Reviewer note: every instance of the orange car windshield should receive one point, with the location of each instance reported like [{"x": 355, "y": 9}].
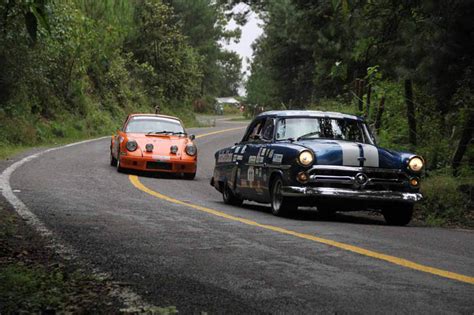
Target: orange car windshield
[{"x": 154, "y": 125}]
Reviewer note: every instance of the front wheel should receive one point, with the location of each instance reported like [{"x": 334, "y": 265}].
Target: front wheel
[
  {"x": 117, "y": 165},
  {"x": 189, "y": 176},
  {"x": 281, "y": 205},
  {"x": 398, "y": 214},
  {"x": 230, "y": 198},
  {"x": 113, "y": 161}
]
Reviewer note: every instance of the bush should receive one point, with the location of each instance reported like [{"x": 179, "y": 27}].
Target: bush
[{"x": 445, "y": 200}]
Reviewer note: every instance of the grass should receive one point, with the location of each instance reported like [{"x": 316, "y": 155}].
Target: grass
[{"x": 446, "y": 200}]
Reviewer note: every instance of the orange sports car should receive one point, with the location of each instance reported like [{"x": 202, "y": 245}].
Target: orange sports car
[{"x": 149, "y": 142}]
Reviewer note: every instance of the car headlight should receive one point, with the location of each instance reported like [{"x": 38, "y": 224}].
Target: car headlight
[
  {"x": 131, "y": 145},
  {"x": 191, "y": 149},
  {"x": 415, "y": 164},
  {"x": 305, "y": 158},
  {"x": 174, "y": 149}
]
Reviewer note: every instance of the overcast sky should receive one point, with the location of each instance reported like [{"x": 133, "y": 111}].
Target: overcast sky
[{"x": 250, "y": 32}]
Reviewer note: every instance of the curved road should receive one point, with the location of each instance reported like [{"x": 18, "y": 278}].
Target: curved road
[{"x": 206, "y": 258}]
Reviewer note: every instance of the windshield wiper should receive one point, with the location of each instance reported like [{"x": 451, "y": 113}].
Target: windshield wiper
[
  {"x": 166, "y": 131},
  {"x": 287, "y": 139},
  {"x": 308, "y": 135}
]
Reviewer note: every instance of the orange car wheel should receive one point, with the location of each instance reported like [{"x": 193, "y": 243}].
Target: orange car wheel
[
  {"x": 113, "y": 161},
  {"x": 119, "y": 167},
  {"x": 189, "y": 175}
]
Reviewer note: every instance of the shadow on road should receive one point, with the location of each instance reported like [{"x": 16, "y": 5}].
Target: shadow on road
[
  {"x": 310, "y": 214},
  {"x": 304, "y": 214}
]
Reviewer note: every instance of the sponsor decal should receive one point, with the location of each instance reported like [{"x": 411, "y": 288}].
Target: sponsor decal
[
  {"x": 277, "y": 158},
  {"x": 252, "y": 159},
  {"x": 251, "y": 174},
  {"x": 225, "y": 157},
  {"x": 260, "y": 159},
  {"x": 240, "y": 157}
]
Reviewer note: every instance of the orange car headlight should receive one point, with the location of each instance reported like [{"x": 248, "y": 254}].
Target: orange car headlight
[
  {"x": 131, "y": 145},
  {"x": 191, "y": 150},
  {"x": 174, "y": 149}
]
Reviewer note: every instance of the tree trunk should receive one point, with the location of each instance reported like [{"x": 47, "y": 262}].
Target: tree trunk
[
  {"x": 378, "y": 117},
  {"x": 367, "y": 105},
  {"x": 360, "y": 96},
  {"x": 466, "y": 138},
  {"x": 410, "y": 112}
]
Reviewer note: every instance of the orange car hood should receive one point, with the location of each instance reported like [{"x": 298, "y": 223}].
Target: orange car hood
[{"x": 161, "y": 143}]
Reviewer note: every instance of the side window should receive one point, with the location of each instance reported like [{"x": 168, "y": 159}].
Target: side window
[
  {"x": 267, "y": 130},
  {"x": 254, "y": 133}
]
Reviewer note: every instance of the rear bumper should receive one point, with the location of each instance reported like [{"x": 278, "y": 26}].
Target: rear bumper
[
  {"x": 152, "y": 165},
  {"x": 340, "y": 193}
]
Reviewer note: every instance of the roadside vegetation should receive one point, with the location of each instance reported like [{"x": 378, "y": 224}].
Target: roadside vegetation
[
  {"x": 406, "y": 66},
  {"x": 74, "y": 69},
  {"x": 35, "y": 280}
]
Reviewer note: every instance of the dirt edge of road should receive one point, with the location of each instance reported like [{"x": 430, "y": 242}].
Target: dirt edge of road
[{"x": 34, "y": 278}]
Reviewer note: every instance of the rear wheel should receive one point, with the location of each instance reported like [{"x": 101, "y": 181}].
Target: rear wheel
[
  {"x": 281, "y": 205},
  {"x": 230, "y": 198},
  {"x": 398, "y": 214}
]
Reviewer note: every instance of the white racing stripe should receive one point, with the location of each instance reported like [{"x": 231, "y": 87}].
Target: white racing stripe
[
  {"x": 350, "y": 153},
  {"x": 130, "y": 299},
  {"x": 371, "y": 155}
]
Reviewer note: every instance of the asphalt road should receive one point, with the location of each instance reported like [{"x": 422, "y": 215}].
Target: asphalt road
[{"x": 173, "y": 254}]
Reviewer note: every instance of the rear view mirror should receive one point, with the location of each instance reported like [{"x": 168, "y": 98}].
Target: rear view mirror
[{"x": 192, "y": 137}]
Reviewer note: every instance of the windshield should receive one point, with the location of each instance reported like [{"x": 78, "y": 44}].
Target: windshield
[
  {"x": 154, "y": 125},
  {"x": 322, "y": 128}
]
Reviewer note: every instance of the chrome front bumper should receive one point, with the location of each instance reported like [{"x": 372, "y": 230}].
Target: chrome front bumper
[{"x": 369, "y": 195}]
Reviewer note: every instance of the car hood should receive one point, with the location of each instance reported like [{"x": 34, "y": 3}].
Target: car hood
[
  {"x": 161, "y": 143},
  {"x": 347, "y": 153}
]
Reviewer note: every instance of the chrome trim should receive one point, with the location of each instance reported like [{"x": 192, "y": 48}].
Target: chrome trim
[
  {"x": 383, "y": 195},
  {"x": 354, "y": 169}
]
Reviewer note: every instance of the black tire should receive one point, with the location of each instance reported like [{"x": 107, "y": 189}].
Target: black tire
[
  {"x": 113, "y": 161},
  {"x": 119, "y": 167},
  {"x": 398, "y": 214},
  {"x": 230, "y": 198},
  {"x": 189, "y": 176},
  {"x": 281, "y": 206}
]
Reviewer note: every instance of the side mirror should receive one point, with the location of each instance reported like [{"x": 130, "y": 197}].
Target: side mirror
[{"x": 192, "y": 137}]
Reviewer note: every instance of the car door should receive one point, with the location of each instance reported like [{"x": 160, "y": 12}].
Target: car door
[{"x": 250, "y": 174}]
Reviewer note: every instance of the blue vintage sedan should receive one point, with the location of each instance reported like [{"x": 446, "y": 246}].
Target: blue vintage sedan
[{"x": 312, "y": 158}]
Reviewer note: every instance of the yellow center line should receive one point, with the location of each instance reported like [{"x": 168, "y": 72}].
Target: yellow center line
[{"x": 351, "y": 248}]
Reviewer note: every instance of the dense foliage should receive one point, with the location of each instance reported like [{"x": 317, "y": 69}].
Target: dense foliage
[{"x": 76, "y": 68}]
